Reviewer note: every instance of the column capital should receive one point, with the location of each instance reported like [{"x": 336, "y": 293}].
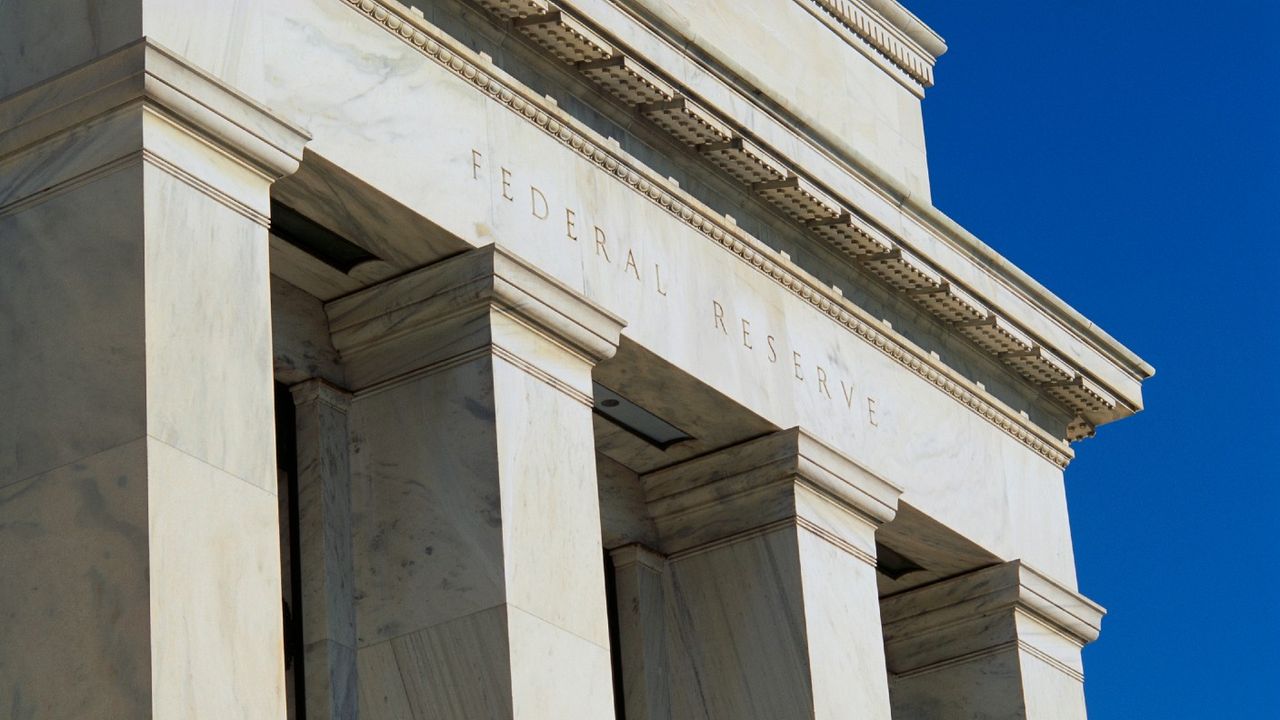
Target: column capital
[
  {"x": 486, "y": 300},
  {"x": 786, "y": 476},
  {"x": 961, "y": 617},
  {"x": 638, "y": 554},
  {"x": 143, "y": 104},
  {"x": 319, "y": 390},
  {"x": 148, "y": 74}
]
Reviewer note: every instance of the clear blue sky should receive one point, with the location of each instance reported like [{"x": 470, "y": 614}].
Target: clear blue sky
[{"x": 1127, "y": 155}]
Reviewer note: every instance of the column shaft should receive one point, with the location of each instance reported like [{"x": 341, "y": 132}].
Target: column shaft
[
  {"x": 770, "y": 582},
  {"x": 1001, "y": 643},
  {"x": 642, "y": 637},
  {"x": 138, "y": 527},
  {"x": 324, "y": 542},
  {"x": 479, "y": 582}
]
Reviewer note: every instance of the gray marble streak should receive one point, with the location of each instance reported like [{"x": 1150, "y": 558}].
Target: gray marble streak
[
  {"x": 778, "y": 625},
  {"x": 380, "y": 685},
  {"x": 737, "y": 641},
  {"x": 192, "y": 325},
  {"x": 418, "y": 532},
  {"x": 38, "y": 41},
  {"x": 82, "y": 357},
  {"x": 507, "y": 528},
  {"x": 459, "y": 669},
  {"x": 331, "y": 680},
  {"x": 215, "y": 591},
  {"x": 74, "y": 558}
]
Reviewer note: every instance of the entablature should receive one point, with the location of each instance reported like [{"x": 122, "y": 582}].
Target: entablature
[{"x": 916, "y": 253}]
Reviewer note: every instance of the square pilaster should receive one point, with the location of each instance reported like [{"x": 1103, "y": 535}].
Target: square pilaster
[
  {"x": 479, "y": 578},
  {"x": 770, "y": 582}
]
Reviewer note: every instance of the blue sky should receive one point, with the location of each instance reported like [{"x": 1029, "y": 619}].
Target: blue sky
[{"x": 1127, "y": 155}]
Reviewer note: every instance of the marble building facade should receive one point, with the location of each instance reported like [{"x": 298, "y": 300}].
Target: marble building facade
[{"x": 543, "y": 359}]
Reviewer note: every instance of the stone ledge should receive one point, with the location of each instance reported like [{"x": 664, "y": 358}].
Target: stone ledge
[
  {"x": 759, "y": 483},
  {"x": 999, "y": 589},
  {"x": 144, "y": 72}
]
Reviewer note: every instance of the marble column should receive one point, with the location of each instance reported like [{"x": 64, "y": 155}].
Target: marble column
[
  {"x": 324, "y": 544},
  {"x": 642, "y": 644},
  {"x": 1001, "y": 643},
  {"x": 479, "y": 573},
  {"x": 770, "y": 581},
  {"x": 139, "y": 551}
]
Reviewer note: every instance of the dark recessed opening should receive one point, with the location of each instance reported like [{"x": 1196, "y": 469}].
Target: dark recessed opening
[
  {"x": 316, "y": 240},
  {"x": 893, "y": 564},
  {"x": 636, "y": 420}
]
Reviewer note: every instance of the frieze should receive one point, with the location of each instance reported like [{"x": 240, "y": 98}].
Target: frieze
[
  {"x": 792, "y": 192},
  {"x": 546, "y": 116}
]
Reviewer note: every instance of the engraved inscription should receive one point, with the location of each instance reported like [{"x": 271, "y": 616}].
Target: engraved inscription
[
  {"x": 605, "y": 245},
  {"x": 813, "y": 375},
  {"x": 608, "y": 248}
]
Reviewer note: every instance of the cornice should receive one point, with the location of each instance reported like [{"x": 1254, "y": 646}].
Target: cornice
[
  {"x": 886, "y": 28},
  {"x": 707, "y": 132},
  {"x": 543, "y": 113}
]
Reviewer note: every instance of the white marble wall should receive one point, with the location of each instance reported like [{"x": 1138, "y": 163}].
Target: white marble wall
[{"x": 479, "y": 582}]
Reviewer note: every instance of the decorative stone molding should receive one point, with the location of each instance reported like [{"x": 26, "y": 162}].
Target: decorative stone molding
[
  {"x": 543, "y": 113},
  {"x": 782, "y": 478},
  {"x": 486, "y": 300},
  {"x": 890, "y": 31},
  {"x": 966, "y": 617},
  {"x": 145, "y": 74}
]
